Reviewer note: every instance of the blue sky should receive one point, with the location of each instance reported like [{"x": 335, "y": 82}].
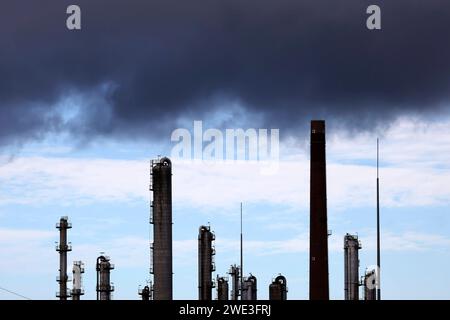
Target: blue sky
[{"x": 103, "y": 188}]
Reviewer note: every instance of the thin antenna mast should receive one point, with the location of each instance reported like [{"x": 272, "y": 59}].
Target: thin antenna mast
[
  {"x": 242, "y": 257},
  {"x": 378, "y": 228}
]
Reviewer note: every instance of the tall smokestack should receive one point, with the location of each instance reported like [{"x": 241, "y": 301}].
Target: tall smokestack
[
  {"x": 205, "y": 263},
  {"x": 161, "y": 218},
  {"x": 318, "y": 263},
  {"x": 351, "y": 260},
  {"x": 63, "y": 248}
]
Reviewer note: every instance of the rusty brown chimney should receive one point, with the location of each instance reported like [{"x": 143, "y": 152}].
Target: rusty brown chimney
[{"x": 318, "y": 238}]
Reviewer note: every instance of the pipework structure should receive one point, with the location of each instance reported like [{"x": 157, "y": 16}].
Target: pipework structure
[
  {"x": 77, "y": 285},
  {"x": 206, "y": 264},
  {"x": 249, "y": 290},
  {"x": 369, "y": 283},
  {"x": 278, "y": 288},
  {"x": 104, "y": 287},
  {"x": 147, "y": 292},
  {"x": 222, "y": 288},
  {"x": 235, "y": 277},
  {"x": 161, "y": 218},
  {"x": 351, "y": 265},
  {"x": 63, "y": 247},
  {"x": 318, "y": 262}
]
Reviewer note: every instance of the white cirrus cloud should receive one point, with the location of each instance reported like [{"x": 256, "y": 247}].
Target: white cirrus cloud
[{"x": 414, "y": 172}]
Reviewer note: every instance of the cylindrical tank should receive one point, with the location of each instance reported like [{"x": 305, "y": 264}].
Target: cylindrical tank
[
  {"x": 77, "y": 285},
  {"x": 161, "y": 174},
  {"x": 351, "y": 261},
  {"x": 222, "y": 288},
  {"x": 278, "y": 289},
  {"x": 205, "y": 263},
  {"x": 234, "y": 272},
  {"x": 104, "y": 287},
  {"x": 63, "y": 248},
  {"x": 370, "y": 292},
  {"x": 249, "y": 289}
]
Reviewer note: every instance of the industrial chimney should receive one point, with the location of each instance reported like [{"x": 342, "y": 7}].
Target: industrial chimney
[
  {"x": 206, "y": 265},
  {"x": 77, "y": 285},
  {"x": 63, "y": 247},
  {"x": 278, "y": 289},
  {"x": 104, "y": 287},
  {"x": 222, "y": 288},
  {"x": 161, "y": 218},
  {"x": 318, "y": 264},
  {"x": 249, "y": 288},
  {"x": 370, "y": 288},
  {"x": 351, "y": 265},
  {"x": 234, "y": 272}
]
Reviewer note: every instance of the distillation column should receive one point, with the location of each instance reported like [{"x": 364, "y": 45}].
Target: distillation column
[
  {"x": 249, "y": 289},
  {"x": 351, "y": 261},
  {"x": 104, "y": 287},
  {"x": 161, "y": 264},
  {"x": 77, "y": 285},
  {"x": 234, "y": 272},
  {"x": 318, "y": 263},
  {"x": 205, "y": 263},
  {"x": 278, "y": 289},
  {"x": 369, "y": 282},
  {"x": 222, "y": 288},
  {"x": 63, "y": 247}
]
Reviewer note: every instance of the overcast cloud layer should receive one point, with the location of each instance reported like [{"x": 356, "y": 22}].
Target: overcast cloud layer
[{"x": 142, "y": 66}]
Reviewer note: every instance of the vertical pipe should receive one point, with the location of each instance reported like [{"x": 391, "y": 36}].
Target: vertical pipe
[
  {"x": 242, "y": 257},
  {"x": 318, "y": 263},
  {"x": 378, "y": 232}
]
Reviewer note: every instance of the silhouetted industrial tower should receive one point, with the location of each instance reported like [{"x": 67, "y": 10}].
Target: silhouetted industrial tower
[
  {"x": 318, "y": 245},
  {"x": 146, "y": 292},
  {"x": 161, "y": 218},
  {"x": 278, "y": 289},
  {"x": 222, "y": 288},
  {"x": 235, "y": 273},
  {"x": 104, "y": 287},
  {"x": 206, "y": 264},
  {"x": 77, "y": 285},
  {"x": 249, "y": 289},
  {"x": 369, "y": 283},
  {"x": 351, "y": 266},
  {"x": 63, "y": 247}
]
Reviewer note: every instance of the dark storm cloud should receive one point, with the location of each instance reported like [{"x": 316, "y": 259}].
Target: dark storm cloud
[{"x": 139, "y": 66}]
